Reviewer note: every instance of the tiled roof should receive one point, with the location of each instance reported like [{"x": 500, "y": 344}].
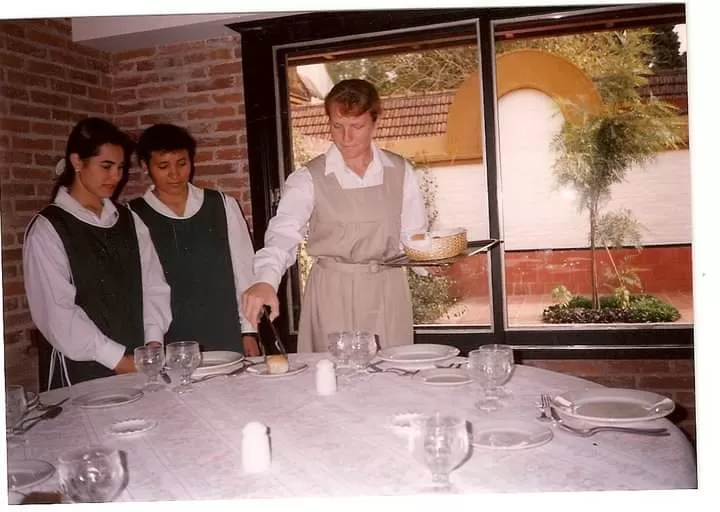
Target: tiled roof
[
  {"x": 415, "y": 115},
  {"x": 425, "y": 115}
]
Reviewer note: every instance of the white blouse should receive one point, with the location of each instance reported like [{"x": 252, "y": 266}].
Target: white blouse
[
  {"x": 241, "y": 246},
  {"x": 51, "y": 292},
  {"x": 290, "y": 224}
]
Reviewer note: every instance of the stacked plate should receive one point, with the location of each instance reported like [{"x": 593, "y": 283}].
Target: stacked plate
[
  {"x": 420, "y": 356},
  {"x": 220, "y": 361},
  {"x": 611, "y": 406}
]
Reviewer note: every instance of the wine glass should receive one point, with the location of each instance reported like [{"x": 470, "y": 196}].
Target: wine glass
[
  {"x": 183, "y": 357},
  {"x": 441, "y": 443},
  {"x": 91, "y": 475},
  {"x": 150, "y": 360},
  {"x": 363, "y": 348},
  {"x": 15, "y": 410},
  {"x": 491, "y": 366}
]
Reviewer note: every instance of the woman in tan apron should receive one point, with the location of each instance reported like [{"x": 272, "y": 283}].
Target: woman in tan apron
[{"x": 353, "y": 202}]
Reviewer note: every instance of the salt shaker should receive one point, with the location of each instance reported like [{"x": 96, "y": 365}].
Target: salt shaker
[
  {"x": 325, "y": 382},
  {"x": 255, "y": 448}
]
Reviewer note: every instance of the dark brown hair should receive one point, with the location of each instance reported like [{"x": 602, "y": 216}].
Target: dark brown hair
[{"x": 354, "y": 97}]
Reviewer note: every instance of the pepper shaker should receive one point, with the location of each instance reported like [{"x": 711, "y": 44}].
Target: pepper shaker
[{"x": 325, "y": 381}]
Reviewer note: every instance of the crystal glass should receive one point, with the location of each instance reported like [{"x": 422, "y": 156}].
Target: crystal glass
[
  {"x": 491, "y": 366},
  {"x": 339, "y": 346},
  {"x": 441, "y": 443},
  {"x": 183, "y": 357},
  {"x": 91, "y": 475},
  {"x": 15, "y": 410},
  {"x": 363, "y": 348},
  {"x": 150, "y": 360}
]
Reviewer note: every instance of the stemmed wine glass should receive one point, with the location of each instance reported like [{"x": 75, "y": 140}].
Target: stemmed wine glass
[
  {"x": 150, "y": 360},
  {"x": 91, "y": 475},
  {"x": 183, "y": 357},
  {"x": 363, "y": 348},
  {"x": 339, "y": 348},
  {"x": 491, "y": 366},
  {"x": 15, "y": 410},
  {"x": 440, "y": 443}
]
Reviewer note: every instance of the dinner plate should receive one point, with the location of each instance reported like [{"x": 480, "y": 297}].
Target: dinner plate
[
  {"x": 261, "y": 370},
  {"x": 217, "y": 361},
  {"x": 510, "y": 435},
  {"x": 132, "y": 426},
  {"x": 26, "y": 473},
  {"x": 612, "y": 405},
  {"x": 414, "y": 354},
  {"x": 102, "y": 399},
  {"x": 444, "y": 376}
]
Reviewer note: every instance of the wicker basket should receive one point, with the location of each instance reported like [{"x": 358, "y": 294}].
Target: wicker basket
[{"x": 436, "y": 245}]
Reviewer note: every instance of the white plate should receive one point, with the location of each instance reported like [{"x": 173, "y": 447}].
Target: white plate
[
  {"x": 510, "y": 435},
  {"x": 132, "y": 426},
  {"x": 444, "y": 377},
  {"x": 261, "y": 370},
  {"x": 102, "y": 399},
  {"x": 26, "y": 473},
  {"x": 414, "y": 354},
  {"x": 612, "y": 405},
  {"x": 15, "y": 498},
  {"x": 219, "y": 361}
]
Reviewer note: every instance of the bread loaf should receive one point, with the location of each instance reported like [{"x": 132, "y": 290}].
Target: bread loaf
[{"x": 277, "y": 363}]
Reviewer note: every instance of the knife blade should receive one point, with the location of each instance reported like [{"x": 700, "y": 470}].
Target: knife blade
[{"x": 277, "y": 342}]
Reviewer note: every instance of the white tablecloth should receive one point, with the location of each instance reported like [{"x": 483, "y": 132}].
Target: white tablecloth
[{"x": 342, "y": 445}]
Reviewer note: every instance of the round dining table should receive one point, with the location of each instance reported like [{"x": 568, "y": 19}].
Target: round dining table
[{"x": 343, "y": 444}]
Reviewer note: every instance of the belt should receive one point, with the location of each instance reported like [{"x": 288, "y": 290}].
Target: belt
[{"x": 351, "y": 268}]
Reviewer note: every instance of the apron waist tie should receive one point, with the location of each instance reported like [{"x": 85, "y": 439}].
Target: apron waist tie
[{"x": 351, "y": 268}]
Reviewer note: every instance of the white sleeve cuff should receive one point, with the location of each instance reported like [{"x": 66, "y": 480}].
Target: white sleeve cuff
[
  {"x": 269, "y": 276},
  {"x": 153, "y": 333},
  {"x": 109, "y": 354}
]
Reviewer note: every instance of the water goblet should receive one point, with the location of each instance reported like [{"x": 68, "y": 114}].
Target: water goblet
[
  {"x": 338, "y": 346},
  {"x": 91, "y": 475},
  {"x": 504, "y": 366},
  {"x": 441, "y": 443},
  {"x": 15, "y": 409},
  {"x": 491, "y": 367},
  {"x": 363, "y": 348},
  {"x": 150, "y": 360},
  {"x": 183, "y": 357}
]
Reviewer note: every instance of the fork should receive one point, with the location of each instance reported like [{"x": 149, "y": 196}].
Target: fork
[
  {"x": 544, "y": 407},
  {"x": 44, "y": 407},
  {"x": 587, "y": 432}
]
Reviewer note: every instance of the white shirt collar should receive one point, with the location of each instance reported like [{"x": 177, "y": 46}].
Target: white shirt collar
[
  {"x": 108, "y": 215},
  {"x": 334, "y": 162},
  {"x": 193, "y": 204}
]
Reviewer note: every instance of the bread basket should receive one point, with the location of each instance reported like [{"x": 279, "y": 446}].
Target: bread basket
[{"x": 435, "y": 245}]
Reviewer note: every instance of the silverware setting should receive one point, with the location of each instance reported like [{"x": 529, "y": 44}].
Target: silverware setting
[
  {"x": 45, "y": 407},
  {"x": 237, "y": 371},
  {"x": 546, "y": 407},
  {"x": 374, "y": 368},
  {"x": 450, "y": 366},
  {"x": 27, "y": 424}
]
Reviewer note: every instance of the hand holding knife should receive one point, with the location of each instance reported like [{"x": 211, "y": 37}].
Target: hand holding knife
[{"x": 276, "y": 337}]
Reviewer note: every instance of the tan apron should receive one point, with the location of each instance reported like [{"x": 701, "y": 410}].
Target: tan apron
[{"x": 350, "y": 231}]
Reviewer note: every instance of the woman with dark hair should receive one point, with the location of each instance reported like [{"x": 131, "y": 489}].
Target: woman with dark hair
[
  {"x": 203, "y": 243},
  {"x": 354, "y": 202},
  {"x": 93, "y": 279}
]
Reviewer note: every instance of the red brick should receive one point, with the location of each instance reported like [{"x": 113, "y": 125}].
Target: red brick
[
  {"x": 185, "y": 101},
  {"x": 160, "y": 63},
  {"x": 213, "y": 84},
  {"x": 155, "y": 91},
  {"x": 231, "y": 154},
  {"x": 32, "y": 143},
  {"x": 165, "y": 117},
  {"x": 228, "y": 68},
  {"x": 17, "y": 189},
  {"x": 10, "y": 60},
  {"x": 60, "y": 26},
  {"x": 231, "y": 97},
  {"x": 54, "y": 100},
  {"x": 125, "y": 66},
  {"x": 204, "y": 156},
  {"x": 683, "y": 367},
  {"x": 214, "y": 140},
  {"x": 69, "y": 87},
  {"x": 210, "y": 113},
  {"x": 198, "y": 73},
  {"x": 218, "y": 54},
  {"x": 98, "y": 93},
  {"x": 43, "y": 37},
  {"x": 635, "y": 367},
  {"x": 45, "y": 68},
  {"x": 236, "y": 183},
  {"x": 66, "y": 115},
  {"x": 124, "y": 94},
  {"x": 82, "y": 76},
  {"x": 69, "y": 59},
  {"x": 230, "y": 125},
  {"x": 127, "y": 121},
  {"x": 17, "y": 319},
  {"x": 13, "y": 29},
  {"x": 101, "y": 65},
  {"x": 138, "y": 106},
  {"x": 88, "y": 106},
  {"x": 26, "y": 79},
  {"x": 16, "y": 125},
  {"x": 122, "y": 82},
  {"x": 170, "y": 49},
  {"x": 49, "y": 160},
  {"x": 203, "y": 170},
  {"x": 29, "y": 205},
  {"x": 28, "y": 49},
  {"x": 136, "y": 54}
]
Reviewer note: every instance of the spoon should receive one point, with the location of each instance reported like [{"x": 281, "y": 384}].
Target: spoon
[{"x": 52, "y": 412}]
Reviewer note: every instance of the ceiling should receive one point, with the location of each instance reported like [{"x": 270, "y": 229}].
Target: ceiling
[{"x": 123, "y": 33}]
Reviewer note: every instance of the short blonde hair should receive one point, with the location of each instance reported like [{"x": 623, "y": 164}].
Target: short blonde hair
[{"x": 354, "y": 97}]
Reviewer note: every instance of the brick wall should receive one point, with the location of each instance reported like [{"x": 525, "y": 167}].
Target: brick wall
[
  {"x": 672, "y": 378},
  {"x": 48, "y": 83}
]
